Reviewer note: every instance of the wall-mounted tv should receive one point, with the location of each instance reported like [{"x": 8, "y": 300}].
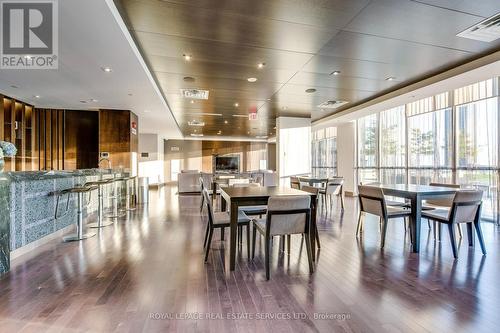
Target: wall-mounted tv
[{"x": 228, "y": 164}]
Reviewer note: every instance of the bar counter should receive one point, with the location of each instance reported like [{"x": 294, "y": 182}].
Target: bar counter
[{"x": 27, "y": 206}]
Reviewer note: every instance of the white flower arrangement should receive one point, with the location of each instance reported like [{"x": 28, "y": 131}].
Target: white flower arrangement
[{"x": 7, "y": 149}]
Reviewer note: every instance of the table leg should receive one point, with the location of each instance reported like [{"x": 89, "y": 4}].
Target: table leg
[
  {"x": 233, "y": 228},
  {"x": 312, "y": 228},
  {"x": 416, "y": 218}
]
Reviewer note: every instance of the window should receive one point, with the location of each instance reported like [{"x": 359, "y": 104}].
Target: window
[
  {"x": 392, "y": 146},
  {"x": 324, "y": 152}
]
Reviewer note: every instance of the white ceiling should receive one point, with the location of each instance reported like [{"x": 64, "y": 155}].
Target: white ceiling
[{"x": 92, "y": 35}]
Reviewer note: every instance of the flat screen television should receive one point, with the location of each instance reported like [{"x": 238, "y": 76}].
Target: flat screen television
[{"x": 228, "y": 164}]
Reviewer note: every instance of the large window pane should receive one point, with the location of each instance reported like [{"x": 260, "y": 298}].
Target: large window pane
[
  {"x": 367, "y": 141},
  {"x": 393, "y": 138},
  {"x": 324, "y": 153},
  {"x": 430, "y": 139},
  {"x": 488, "y": 182},
  {"x": 427, "y": 176}
]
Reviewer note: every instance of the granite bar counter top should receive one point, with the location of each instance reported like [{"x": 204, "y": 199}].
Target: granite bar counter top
[{"x": 27, "y": 205}]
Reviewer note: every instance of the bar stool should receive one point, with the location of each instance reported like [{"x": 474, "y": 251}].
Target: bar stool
[
  {"x": 79, "y": 191},
  {"x": 115, "y": 198},
  {"x": 100, "y": 203},
  {"x": 128, "y": 195}
]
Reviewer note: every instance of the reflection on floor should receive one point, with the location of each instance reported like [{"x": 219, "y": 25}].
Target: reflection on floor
[{"x": 146, "y": 274}]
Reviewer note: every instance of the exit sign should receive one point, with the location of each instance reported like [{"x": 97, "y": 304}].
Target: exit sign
[{"x": 252, "y": 116}]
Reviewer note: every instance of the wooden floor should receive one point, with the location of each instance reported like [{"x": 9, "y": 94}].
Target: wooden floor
[{"x": 146, "y": 274}]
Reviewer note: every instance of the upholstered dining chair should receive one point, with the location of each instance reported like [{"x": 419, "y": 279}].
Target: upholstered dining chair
[
  {"x": 443, "y": 202},
  {"x": 465, "y": 208},
  {"x": 389, "y": 202},
  {"x": 221, "y": 220},
  {"x": 334, "y": 186},
  {"x": 372, "y": 201},
  {"x": 286, "y": 215}
]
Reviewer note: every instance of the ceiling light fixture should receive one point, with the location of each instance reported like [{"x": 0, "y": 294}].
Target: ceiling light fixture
[
  {"x": 106, "y": 69},
  {"x": 37, "y": 96},
  {"x": 236, "y": 105},
  {"x": 390, "y": 78},
  {"x": 225, "y": 121},
  {"x": 284, "y": 108},
  {"x": 192, "y": 102},
  {"x": 310, "y": 90},
  {"x": 204, "y": 114},
  {"x": 252, "y": 79},
  {"x": 93, "y": 100},
  {"x": 83, "y": 102},
  {"x": 14, "y": 86},
  {"x": 335, "y": 73},
  {"x": 188, "y": 79},
  {"x": 196, "y": 134},
  {"x": 261, "y": 65},
  {"x": 240, "y": 115},
  {"x": 187, "y": 57}
]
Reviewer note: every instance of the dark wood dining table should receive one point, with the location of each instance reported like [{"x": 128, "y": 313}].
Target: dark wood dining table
[
  {"x": 256, "y": 196},
  {"x": 415, "y": 193}
]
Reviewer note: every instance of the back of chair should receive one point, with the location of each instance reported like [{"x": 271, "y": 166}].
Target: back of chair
[
  {"x": 202, "y": 184},
  {"x": 295, "y": 183},
  {"x": 311, "y": 189},
  {"x": 210, "y": 209},
  {"x": 444, "y": 201},
  {"x": 372, "y": 200},
  {"x": 334, "y": 184},
  {"x": 288, "y": 215},
  {"x": 234, "y": 181},
  {"x": 466, "y": 206}
]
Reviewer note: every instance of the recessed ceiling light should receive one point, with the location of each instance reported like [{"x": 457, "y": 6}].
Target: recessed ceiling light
[
  {"x": 83, "y": 102},
  {"x": 268, "y": 99},
  {"x": 236, "y": 105},
  {"x": 219, "y": 133},
  {"x": 188, "y": 79},
  {"x": 93, "y": 100},
  {"x": 261, "y": 64},
  {"x": 192, "y": 102},
  {"x": 335, "y": 73},
  {"x": 130, "y": 94},
  {"x": 310, "y": 90},
  {"x": 37, "y": 96},
  {"x": 252, "y": 79},
  {"x": 284, "y": 108},
  {"x": 14, "y": 86},
  {"x": 107, "y": 69},
  {"x": 196, "y": 134},
  {"x": 390, "y": 78},
  {"x": 187, "y": 57},
  {"x": 225, "y": 121},
  {"x": 248, "y": 132}
]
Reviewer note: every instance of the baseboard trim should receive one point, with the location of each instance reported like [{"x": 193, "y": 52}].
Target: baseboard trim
[{"x": 42, "y": 241}]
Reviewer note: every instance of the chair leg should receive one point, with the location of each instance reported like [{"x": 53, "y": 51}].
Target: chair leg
[
  {"x": 202, "y": 202},
  {"x": 317, "y": 237},
  {"x": 439, "y": 230},
  {"x": 384, "y": 230},
  {"x": 222, "y": 233},
  {"x": 451, "y": 229},
  {"x": 288, "y": 243},
  {"x": 206, "y": 235},
  {"x": 210, "y": 233},
  {"x": 470, "y": 233},
  {"x": 358, "y": 227},
  {"x": 477, "y": 225},
  {"x": 341, "y": 201},
  {"x": 240, "y": 234},
  {"x": 267, "y": 254},
  {"x": 459, "y": 227},
  {"x": 254, "y": 239},
  {"x": 429, "y": 223},
  {"x": 248, "y": 240},
  {"x": 309, "y": 253}
]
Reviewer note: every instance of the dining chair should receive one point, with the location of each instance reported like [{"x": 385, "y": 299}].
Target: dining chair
[
  {"x": 221, "y": 220},
  {"x": 372, "y": 201},
  {"x": 294, "y": 182},
  {"x": 465, "y": 208},
  {"x": 252, "y": 210},
  {"x": 303, "y": 182},
  {"x": 393, "y": 203},
  {"x": 286, "y": 215},
  {"x": 334, "y": 186},
  {"x": 316, "y": 191},
  {"x": 443, "y": 202}
]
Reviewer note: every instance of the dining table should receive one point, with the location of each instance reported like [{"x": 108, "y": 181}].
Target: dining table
[
  {"x": 313, "y": 180},
  {"x": 256, "y": 196},
  {"x": 416, "y": 194}
]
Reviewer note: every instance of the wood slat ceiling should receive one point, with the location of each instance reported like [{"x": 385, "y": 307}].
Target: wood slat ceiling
[{"x": 301, "y": 42}]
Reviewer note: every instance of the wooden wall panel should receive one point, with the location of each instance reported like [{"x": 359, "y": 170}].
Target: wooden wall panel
[{"x": 81, "y": 139}]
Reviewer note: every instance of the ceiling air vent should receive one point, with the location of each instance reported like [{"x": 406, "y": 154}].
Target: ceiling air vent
[
  {"x": 485, "y": 31},
  {"x": 196, "y": 123},
  {"x": 332, "y": 104},
  {"x": 194, "y": 93}
]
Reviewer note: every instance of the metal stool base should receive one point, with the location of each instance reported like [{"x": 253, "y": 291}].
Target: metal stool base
[
  {"x": 74, "y": 237},
  {"x": 103, "y": 224}
]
